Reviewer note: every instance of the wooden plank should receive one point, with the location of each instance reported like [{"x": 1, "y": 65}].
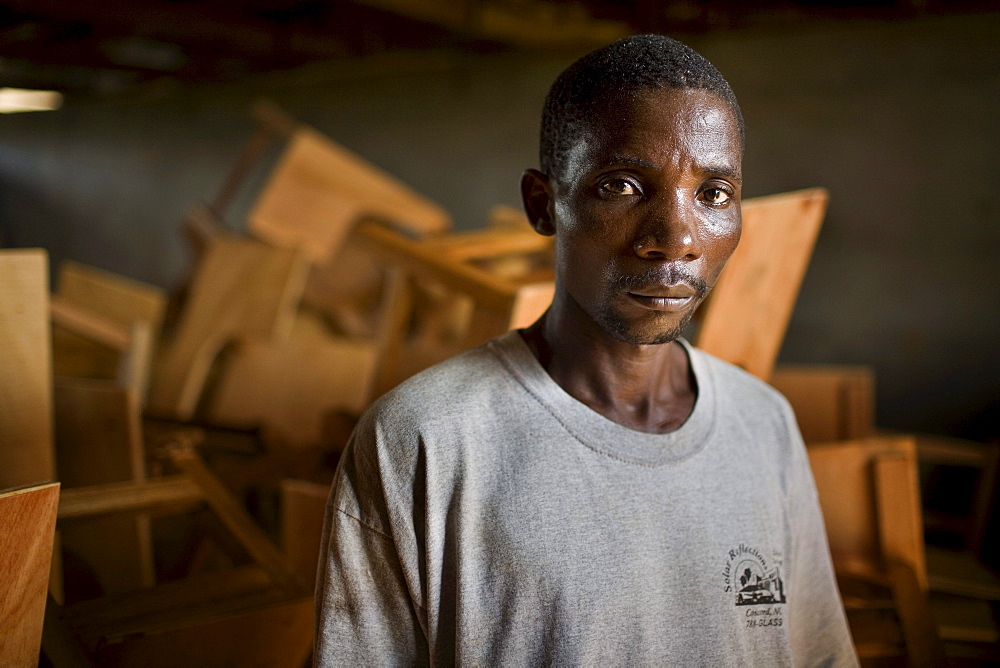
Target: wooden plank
[
  {"x": 27, "y": 528},
  {"x": 276, "y": 635},
  {"x": 232, "y": 515},
  {"x": 830, "y": 402},
  {"x": 923, "y": 646},
  {"x": 152, "y": 495},
  {"x": 119, "y": 299},
  {"x": 319, "y": 190},
  {"x": 243, "y": 290},
  {"x": 869, "y": 494},
  {"x": 490, "y": 291},
  {"x": 27, "y": 455},
  {"x": 87, "y": 323},
  {"x": 901, "y": 533},
  {"x": 849, "y": 516},
  {"x": 287, "y": 389},
  {"x": 303, "y": 508},
  {"x": 745, "y": 320},
  {"x": 101, "y": 309},
  {"x": 465, "y": 246}
]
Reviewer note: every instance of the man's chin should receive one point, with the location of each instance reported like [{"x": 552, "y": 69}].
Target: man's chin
[{"x": 643, "y": 334}]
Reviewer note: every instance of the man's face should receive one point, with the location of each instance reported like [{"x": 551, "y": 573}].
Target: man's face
[{"x": 647, "y": 212}]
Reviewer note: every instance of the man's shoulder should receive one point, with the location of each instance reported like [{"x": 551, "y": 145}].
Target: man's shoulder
[
  {"x": 458, "y": 385},
  {"x": 739, "y": 388}
]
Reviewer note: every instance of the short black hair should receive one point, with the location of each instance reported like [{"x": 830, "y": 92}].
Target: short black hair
[{"x": 618, "y": 69}]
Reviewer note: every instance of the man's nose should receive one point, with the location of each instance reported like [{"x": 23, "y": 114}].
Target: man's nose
[{"x": 669, "y": 231}]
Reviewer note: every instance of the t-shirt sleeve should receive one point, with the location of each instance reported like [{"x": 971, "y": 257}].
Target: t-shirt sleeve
[
  {"x": 818, "y": 629},
  {"x": 365, "y": 612}
]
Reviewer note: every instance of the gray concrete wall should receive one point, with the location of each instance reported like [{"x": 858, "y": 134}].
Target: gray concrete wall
[{"x": 899, "y": 121}]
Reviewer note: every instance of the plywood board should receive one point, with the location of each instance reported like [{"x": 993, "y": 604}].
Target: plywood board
[
  {"x": 243, "y": 290},
  {"x": 288, "y": 388},
  {"x": 90, "y": 296},
  {"x": 26, "y": 455},
  {"x": 744, "y": 321},
  {"x": 27, "y": 529},
  {"x": 319, "y": 190}
]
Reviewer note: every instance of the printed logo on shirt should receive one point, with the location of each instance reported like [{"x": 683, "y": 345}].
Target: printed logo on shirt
[{"x": 752, "y": 580}]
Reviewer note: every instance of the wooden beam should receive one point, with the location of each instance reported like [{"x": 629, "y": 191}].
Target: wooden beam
[
  {"x": 89, "y": 324},
  {"x": 124, "y": 497},
  {"x": 27, "y": 530},
  {"x": 229, "y": 511}
]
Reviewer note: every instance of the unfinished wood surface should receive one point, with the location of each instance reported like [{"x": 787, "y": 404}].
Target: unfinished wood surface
[
  {"x": 499, "y": 302},
  {"x": 27, "y": 529},
  {"x": 871, "y": 507},
  {"x": 110, "y": 305},
  {"x": 286, "y": 389},
  {"x": 303, "y": 507},
  {"x": 155, "y": 495},
  {"x": 26, "y": 371},
  {"x": 242, "y": 290},
  {"x": 235, "y": 518},
  {"x": 831, "y": 403},
  {"x": 747, "y": 315},
  {"x": 319, "y": 190}
]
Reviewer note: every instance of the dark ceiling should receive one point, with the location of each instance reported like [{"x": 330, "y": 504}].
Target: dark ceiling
[{"x": 114, "y": 49}]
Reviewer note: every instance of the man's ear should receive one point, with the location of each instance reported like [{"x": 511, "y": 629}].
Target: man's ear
[{"x": 536, "y": 193}]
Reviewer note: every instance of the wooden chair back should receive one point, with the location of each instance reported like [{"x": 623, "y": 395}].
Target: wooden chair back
[
  {"x": 319, "y": 190},
  {"x": 745, "y": 318},
  {"x": 27, "y": 532},
  {"x": 869, "y": 493},
  {"x": 831, "y": 402},
  {"x": 460, "y": 264},
  {"x": 243, "y": 289},
  {"x": 89, "y": 304}
]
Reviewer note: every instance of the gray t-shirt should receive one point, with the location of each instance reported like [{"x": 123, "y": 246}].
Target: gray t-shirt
[{"x": 481, "y": 515}]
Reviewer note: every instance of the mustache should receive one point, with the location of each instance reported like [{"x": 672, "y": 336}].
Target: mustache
[{"x": 665, "y": 275}]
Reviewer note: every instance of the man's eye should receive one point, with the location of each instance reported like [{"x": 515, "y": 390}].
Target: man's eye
[
  {"x": 716, "y": 196},
  {"x": 620, "y": 187}
]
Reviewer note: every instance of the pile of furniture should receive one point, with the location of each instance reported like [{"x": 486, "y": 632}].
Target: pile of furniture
[{"x": 337, "y": 284}]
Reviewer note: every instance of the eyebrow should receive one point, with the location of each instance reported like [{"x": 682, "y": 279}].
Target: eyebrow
[{"x": 728, "y": 171}]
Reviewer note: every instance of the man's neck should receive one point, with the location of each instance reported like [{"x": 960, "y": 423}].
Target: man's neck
[{"x": 649, "y": 388}]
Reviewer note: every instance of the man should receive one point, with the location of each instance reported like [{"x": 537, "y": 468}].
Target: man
[{"x": 593, "y": 490}]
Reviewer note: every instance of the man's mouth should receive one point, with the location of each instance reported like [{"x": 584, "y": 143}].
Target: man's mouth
[{"x": 664, "y": 297}]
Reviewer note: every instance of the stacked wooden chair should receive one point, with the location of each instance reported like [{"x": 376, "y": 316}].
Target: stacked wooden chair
[
  {"x": 281, "y": 318},
  {"x": 871, "y": 505}
]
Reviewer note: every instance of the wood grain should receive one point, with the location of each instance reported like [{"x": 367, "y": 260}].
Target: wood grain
[
  {"x": 744, "y": 321},
  {"x": 26, "y": 455},
  {"x": 288, "y": 388},
  {"x": 243, "y": 290},
  {"x": 319, "y": 190},
  {"x": 27, "y": 529}
]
